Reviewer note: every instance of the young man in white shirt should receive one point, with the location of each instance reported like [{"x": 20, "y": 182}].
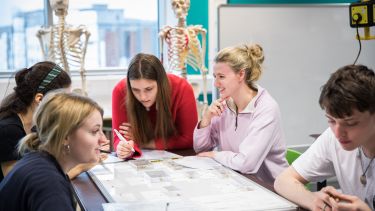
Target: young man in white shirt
[{"x": 345, "y": 150}]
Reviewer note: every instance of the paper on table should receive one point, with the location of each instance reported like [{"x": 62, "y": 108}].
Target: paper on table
[
  {"x": 146, "y": 155},
  {"x": 197, "y": 162},
  {"x": 155, "y": 206},
  {"x": 112, "y": 159},
  {"x": 157, "y": 154},
  {"x": 206, "y": 191}
]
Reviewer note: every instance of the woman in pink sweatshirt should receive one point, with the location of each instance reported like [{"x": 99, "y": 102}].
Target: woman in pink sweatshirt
[{"x": 244, "y": 124}]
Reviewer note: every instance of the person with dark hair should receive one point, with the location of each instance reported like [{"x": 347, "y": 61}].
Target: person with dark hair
[
  {"x": 17, "y": 109},
  {"x": 68, "y": 133},
  {"x": 244, "y": 124},
  {"x": 345, "y": 150},
  {"x": 153, "y": 109}
]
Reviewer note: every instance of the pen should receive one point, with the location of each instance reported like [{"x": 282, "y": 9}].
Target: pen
[{"x": 122, "y": 138}]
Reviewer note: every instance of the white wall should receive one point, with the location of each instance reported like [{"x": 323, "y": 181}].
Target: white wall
[{"x": 303, "y": 45}]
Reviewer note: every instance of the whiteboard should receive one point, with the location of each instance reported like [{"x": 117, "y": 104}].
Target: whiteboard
[{"x": 303, "y": 45}]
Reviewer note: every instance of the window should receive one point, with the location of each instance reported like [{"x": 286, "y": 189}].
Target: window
[
  {"x": 19, "y": 47},
  {"x": 119, "y": 29}
]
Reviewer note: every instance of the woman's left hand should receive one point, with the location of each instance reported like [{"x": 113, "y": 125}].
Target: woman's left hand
[
  {"x": 78, "y": 169},
  {"x": 210, "y": 154}
]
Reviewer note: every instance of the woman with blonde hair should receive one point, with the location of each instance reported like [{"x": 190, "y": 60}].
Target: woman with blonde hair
[
  {"x": 68, "y": 133},
  {"x": 244, "y": 124},
  {"x": 17, "y": 109}
]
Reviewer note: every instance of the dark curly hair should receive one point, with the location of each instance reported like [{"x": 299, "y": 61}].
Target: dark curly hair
[{"x": 28, "y": 81}]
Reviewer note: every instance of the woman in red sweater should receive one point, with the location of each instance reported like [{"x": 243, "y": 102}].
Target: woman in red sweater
[{"x": 152, "y": 109}]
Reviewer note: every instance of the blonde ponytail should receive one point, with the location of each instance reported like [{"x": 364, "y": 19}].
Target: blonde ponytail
[{"x": 29, "y": 143}]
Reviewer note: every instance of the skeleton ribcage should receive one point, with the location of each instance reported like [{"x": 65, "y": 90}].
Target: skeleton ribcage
[
  {"x": 184, "y": 48},
  {"x": 71, "y": 48}
]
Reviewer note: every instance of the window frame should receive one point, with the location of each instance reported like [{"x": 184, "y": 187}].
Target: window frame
[{"x": 165, "y": 17}]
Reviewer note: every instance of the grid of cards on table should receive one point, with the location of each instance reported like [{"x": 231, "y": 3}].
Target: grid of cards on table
[{"x": 161, "y": 180}]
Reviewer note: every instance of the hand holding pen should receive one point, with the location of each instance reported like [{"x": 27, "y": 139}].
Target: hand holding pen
[{"x": 125, "y": 148}]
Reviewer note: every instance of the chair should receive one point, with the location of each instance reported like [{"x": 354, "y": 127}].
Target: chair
[{"x": 292, "y": 155}]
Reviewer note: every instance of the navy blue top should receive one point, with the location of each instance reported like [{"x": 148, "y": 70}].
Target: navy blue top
[
  {"x": 11, "y": 132},
  {"x": 36, "y": 182}
]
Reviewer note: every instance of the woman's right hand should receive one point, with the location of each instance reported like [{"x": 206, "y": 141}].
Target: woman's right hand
[
  {"x": 215, "y": 109},
  {"x": 124, "y": 149}
]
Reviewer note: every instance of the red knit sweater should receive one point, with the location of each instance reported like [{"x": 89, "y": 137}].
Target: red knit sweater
[{"x": 184, "y": 112}]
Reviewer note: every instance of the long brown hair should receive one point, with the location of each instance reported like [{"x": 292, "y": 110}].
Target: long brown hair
[{"x": 146, "y": 66}]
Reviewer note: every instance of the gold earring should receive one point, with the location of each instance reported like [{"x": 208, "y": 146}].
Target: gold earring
[{"x": 67, "y": 148}]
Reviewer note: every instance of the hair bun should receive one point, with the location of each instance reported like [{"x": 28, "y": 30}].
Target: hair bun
[
  {"x": 255, "y": 51},
  {"x": 21, "y": 76}
]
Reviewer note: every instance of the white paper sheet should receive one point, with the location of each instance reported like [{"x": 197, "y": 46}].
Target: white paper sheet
[
  {"x": 196, "y": 162},
  {"x": 112, "y": 159},
  {"x": 155, "y": 206},
  {"x": 157, "y": 154}
]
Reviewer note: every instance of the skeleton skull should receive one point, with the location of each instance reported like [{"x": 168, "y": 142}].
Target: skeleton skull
[
  {"x": 180, "y": 8},
  {"x": 60, "y": 7}
]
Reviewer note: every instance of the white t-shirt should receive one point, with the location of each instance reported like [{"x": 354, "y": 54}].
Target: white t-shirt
[{"x": 326, "y": 158}]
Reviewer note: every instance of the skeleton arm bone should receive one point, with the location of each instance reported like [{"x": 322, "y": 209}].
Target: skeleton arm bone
[
  {"x": 42, "y": 34},
  {"x": 203, "y": 68},
  {"x": 163, "y": 36},
  {"x": 198, "y": 53}
]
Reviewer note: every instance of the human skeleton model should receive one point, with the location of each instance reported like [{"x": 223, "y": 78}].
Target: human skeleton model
[
  {"x": 183, "y": 44},
  {"x": 63, "y": 44}
]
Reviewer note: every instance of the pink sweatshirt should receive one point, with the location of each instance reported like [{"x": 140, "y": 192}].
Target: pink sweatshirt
[{"x": 256, "y": 146}]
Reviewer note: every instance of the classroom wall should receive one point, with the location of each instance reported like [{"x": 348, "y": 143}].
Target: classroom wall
[
  {"x": 303, "y": 45},
  {"x": 198, "y": 13},
  {"x": 204, "y": 16}
]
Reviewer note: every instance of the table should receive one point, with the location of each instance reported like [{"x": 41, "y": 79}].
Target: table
[
  {"x": 88, "y": 195},
  {"x": 90, "y": 198}
]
